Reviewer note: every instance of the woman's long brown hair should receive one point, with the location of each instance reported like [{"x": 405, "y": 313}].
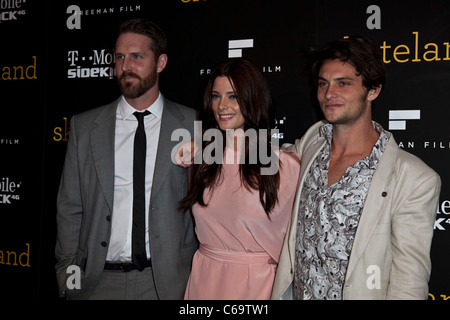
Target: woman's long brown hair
[{"x": 256, "y": 107}]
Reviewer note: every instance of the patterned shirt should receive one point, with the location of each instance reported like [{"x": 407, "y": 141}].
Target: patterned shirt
[{"x": 327, "y": 221}]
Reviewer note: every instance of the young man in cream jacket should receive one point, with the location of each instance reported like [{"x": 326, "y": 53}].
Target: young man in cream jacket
[{"x": 363, "y": 218}]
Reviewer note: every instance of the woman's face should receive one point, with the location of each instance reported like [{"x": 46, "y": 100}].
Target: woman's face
[{"x": 225, "y": 105}]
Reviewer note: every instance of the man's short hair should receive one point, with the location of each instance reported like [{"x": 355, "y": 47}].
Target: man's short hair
[
  {"x": 361, "y": 53},
  {"x": 148, "y": 29}
]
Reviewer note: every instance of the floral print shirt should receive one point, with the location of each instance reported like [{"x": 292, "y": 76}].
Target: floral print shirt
[{"x": 328, "y": 219}]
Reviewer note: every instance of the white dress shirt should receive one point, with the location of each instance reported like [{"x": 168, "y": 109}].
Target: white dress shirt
[{"x": 122, "y": 216}]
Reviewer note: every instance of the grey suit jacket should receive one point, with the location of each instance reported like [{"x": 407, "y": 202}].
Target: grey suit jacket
[
  {"x": 85, "y": 203},
  {"x": 390, "y": 257}
]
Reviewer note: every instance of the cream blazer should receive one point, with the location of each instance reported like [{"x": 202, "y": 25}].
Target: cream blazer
[{"x": 390, "y": 258}]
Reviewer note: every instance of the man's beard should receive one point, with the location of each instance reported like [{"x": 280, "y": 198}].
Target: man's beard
[
  {"x": 349, "y": 118},
  {"x": 133, "y": 91}
]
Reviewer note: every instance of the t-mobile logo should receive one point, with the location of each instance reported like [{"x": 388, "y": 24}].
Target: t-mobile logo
[
  {"x": 397, "y": 118},
  {"x": 235, "y": 47}
]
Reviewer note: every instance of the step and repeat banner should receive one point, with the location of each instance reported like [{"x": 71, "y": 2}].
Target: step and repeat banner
[{"x": 57, "y": 60}]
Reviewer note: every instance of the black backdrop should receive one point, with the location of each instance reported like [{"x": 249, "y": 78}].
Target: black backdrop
[{"x": 55, "y": 61}]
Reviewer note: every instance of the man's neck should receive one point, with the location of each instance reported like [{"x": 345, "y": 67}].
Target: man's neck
[
  {"x": 354, "y": 138},
  {"x": 349, "y": 145}
]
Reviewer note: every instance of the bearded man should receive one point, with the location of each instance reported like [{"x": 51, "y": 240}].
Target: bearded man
[{"x": 117, "y": 214}]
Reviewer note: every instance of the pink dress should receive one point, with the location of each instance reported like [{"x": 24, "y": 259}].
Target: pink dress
[{"x": 237, "y": 239}]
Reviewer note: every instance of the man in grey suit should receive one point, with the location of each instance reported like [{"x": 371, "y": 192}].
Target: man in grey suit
[
  {"x": 363, "y": 218},
  {"x": 95, "y": 199}
]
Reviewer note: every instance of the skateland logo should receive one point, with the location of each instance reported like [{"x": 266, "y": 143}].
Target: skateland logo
[
  {"x": 12, "y": 10},
  {"x": 13, "y": 258},
  {"x": 94, "y": 63},
  {"x": 23, "y": 71}
]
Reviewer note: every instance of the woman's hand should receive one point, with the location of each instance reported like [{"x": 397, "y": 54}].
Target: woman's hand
[{"x": 185, "y": 155}]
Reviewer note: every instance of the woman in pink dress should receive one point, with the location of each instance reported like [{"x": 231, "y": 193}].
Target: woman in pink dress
[{"x": 241, "y": 215}]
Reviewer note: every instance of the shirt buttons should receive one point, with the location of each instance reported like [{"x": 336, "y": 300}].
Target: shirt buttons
[{"x": 384, "y": 194}]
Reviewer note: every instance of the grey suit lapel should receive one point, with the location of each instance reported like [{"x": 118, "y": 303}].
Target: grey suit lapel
[
  {"x": 171, "y": 120},
  {"x": 102, "y": 144}
]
